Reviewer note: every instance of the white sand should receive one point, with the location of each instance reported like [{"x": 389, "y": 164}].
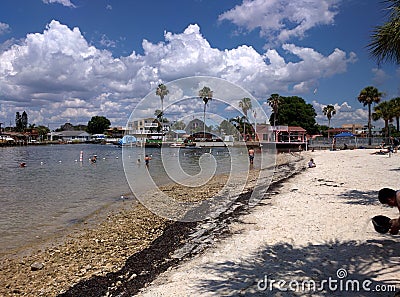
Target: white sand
[{"x": 318, "y": 224}]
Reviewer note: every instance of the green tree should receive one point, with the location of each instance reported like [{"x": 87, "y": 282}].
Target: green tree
[
  {"x": 241, "y": 124},
  {"x": 323, "y": 130},
  {"x": 294, "y": 111},
  {"x": 158, "y": 113},
  {"x": 98, "y": 124},
  {"x": 21, "y": 121},
  {"x": 66, "y": 127},
  {"x": 396, "y": 111},
  {"x": 162, "y": 91},
  {"x": 385, "y": 39},
  {"x": 238, "y": 123},
  {"x": 385, "y": 111},
  {"x": 227, "y": 128},
  {"x": 159, "y": 116},
  {"x": 178, "y": 125},
  {"x": 274, "y": 102},
  {"x": 18, "y": 122},
  {"x": 206, "y": 95},
  {"x": 24, "y": 120},
  {"x": 329, "y": 111},
  {"x": 367, "y": 96},
  {"x": 79, "y": 127},
  {"x": 159, "y": 120},
  {"x": 42, "y": 131},
  {"x": 245, "y": 105}
]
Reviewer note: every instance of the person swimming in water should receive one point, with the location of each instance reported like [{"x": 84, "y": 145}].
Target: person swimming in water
[{"x": 93, "y": 159}]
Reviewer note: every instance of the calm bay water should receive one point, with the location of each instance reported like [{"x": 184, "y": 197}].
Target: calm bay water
[{"x": 55, "y": 191}]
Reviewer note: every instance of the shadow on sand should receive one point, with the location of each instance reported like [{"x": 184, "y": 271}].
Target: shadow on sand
[
  {"x": 360, "y": 197},
  {"x": 253, "y": 277}
]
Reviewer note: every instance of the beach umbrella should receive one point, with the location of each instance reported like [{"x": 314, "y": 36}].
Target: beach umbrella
[{"x": 345, "y": 134}]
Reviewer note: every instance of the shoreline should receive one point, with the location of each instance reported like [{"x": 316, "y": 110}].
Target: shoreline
[
  {"x": 100, "y": 251},
  {"x": 316, "y": 227}
]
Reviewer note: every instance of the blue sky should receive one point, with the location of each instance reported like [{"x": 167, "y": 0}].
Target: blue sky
[{"x": 68, "y": 60}]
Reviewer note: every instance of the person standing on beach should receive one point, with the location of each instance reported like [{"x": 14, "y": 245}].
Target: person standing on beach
[
  {"x": 251, "y": 155},
  {"x": 395, "y": 144},
  {"x": 392, "y": 198}
]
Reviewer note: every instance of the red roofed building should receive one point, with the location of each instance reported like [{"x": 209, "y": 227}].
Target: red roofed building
[{"x": 281, "y": 134}]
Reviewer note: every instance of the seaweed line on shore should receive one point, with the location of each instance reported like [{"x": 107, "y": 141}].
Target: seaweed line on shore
[
  {"x": 179, "y": 241},
  {"x": 130, "y": 248}
]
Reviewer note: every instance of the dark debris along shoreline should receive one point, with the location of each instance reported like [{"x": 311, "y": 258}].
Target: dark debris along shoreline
[{"x": 179, "y": 241}]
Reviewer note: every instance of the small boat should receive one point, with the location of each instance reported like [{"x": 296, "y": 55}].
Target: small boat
[
  {"x": 178, "y": 144},
  {"x": 151, "y": 142}
]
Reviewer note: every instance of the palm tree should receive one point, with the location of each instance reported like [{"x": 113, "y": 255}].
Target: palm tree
[
  {"x": 367, "y": 96},
  {"x": 396, "y": 111},
  {"x": 162, "y": 91},
  {"x": 385, "y": 44},
  {"x": 274, "y": 102},
  {"x": 158, "y": 114},
  {"x": 385, "y": 111},
  {"x": 329, "y": 111},
  {"x": 206, "y": 94},
  {"x": 240, "y": 124},
  {"x": 245, "y": 105}
]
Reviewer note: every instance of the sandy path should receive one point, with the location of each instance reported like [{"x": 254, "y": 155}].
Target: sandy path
[{"x": 317, "y": 229}]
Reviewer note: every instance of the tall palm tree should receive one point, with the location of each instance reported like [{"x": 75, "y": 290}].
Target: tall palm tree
[
  {"x": 162, "y": 91},
  {"x": 367, "y": 96},
  {"x": 385, "y": 111},
  {"x": 206, "y": 95},
  {"x": 245, "y": 105},
  {"x": 329, "y": 111},
  {"x": 385, "y": 44},
  {"x": 274, "y": 102},
  {"x": 396, "y": 110}
]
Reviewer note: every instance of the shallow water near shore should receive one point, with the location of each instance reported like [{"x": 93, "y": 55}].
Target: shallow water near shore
[{"x": 55, "y": 191}]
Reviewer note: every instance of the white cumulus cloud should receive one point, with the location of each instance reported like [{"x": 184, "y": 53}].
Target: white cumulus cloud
[
  {"x": 57, "y": 70},
  {"x": 345, "y": 114},
  {"x": 67, "y": 3},
  {"x": 281, "y": 20}
]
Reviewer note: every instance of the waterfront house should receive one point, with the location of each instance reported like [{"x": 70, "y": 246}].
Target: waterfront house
[
  {"x": 145, "y": 126},
  {"x": 70, "y": 136},
  {"x": 282, "y": 136}
]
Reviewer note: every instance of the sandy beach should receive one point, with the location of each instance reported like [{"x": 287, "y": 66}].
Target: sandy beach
[
  {"x": 313, "y": 226},
  {"x": 317, "y": 227}
]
